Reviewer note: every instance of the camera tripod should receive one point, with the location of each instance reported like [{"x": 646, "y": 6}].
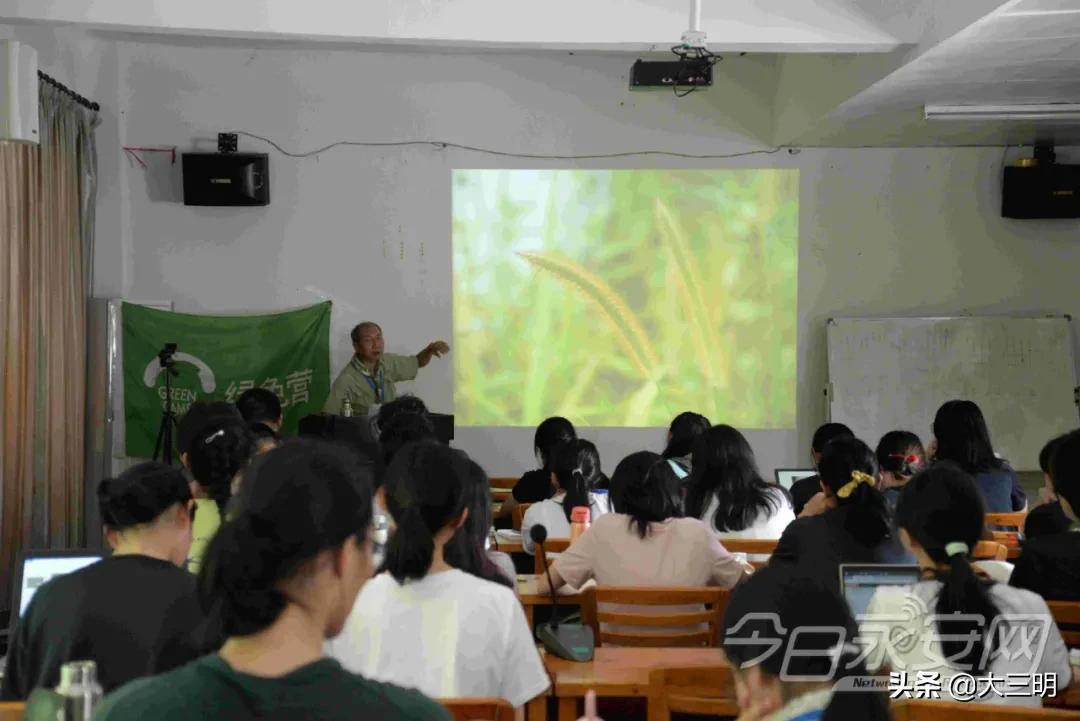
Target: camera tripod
[{"x": 163, "y": 446}]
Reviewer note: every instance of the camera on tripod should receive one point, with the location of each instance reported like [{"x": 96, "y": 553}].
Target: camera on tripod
[
  {"x": 163, "y": 447},
  {"x": 165, "y": 355}
]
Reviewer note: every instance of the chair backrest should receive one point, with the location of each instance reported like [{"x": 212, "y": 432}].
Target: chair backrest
[
  {"x": 684, "y": 626},
  {"x": 1067, "y": 617},
  {"x": 478, "y": 709},
  {"x": 518, "y": 518},
  {"x": 750, "y": 545},
  {"x": 701, "y": 690},
  {"x": 925, "y": 710},
  {"x": 990, "y": 551},
  {"x": 540, "y": 558},
  {"x": 12, "y": 710},
  {"x": 1014, "y": 519},
  {"x": 502, "y": 482}
]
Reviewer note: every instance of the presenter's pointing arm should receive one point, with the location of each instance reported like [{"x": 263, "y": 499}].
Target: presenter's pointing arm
[{"x": 436, "y": 349}]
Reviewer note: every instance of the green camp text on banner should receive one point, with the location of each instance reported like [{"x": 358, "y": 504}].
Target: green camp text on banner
[{"x": 218, "y": 358}]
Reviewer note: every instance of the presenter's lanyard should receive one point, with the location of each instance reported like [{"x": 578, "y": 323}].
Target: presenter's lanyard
[{"x": 380, "y": 389}]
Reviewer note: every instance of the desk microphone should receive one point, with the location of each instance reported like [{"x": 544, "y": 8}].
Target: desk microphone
[{"x": 572, "y": 641}]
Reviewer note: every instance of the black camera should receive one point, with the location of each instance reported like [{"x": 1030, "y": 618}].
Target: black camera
[{"x": 165, "y": 355}]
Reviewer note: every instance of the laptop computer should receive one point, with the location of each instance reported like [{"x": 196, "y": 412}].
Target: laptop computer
[
  {"x": 858, "y": 581},
  {"x": 34, "y": 568},
  {"x": 787, "y": 476}
]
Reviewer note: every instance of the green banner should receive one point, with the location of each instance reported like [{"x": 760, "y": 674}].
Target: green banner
[{"x": 218, "y": 358}]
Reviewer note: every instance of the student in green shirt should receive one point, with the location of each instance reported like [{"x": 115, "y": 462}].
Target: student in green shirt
[
  {"x": 370, "y": 376},
  {"x": 278, "y": 580}
]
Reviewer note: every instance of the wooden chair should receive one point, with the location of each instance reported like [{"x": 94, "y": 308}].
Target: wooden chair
[
  {"x": 502, "y": 482},
  {"x": 519, "y": 515},
  {"x": 702, "y": 690},
  {"x": 990, "y": 551},
  {"x": 1067, "y": 617},
  {"x": 12, "y": 710},
  {"x": 555, "y": 545},
  {"x": 924, "y": 710},
  {"x": 764, "y": 546},
  {"x": 715, "y": 601},
  {"x": 1010, "y": 520},
  {"x": 478, "y": 709}
]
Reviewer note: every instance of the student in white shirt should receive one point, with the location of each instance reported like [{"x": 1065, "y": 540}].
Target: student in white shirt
[
  {"x": 422, "y": 623},
  {"x": 726, "y": 489},
  {"x": 955, "y": 621},
  {"x": 575, "y": 473}
]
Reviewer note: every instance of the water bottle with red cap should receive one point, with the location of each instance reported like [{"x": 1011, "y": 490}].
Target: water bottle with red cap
[{"x": 579, "y": 521}]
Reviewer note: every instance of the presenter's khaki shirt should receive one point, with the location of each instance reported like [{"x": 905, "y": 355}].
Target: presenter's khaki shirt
[{"x": 359, "y": 386}]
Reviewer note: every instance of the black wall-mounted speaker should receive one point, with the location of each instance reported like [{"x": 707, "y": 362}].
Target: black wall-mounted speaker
[{"x": 226, "y": 179}]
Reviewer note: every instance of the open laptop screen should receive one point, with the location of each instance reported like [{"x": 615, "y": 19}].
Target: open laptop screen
[
  {"x": 37, "y": 567},
  {"x": 787, "y": 476},
  {"x": 859, "y": 581}
]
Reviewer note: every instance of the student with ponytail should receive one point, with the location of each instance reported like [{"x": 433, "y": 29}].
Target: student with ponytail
[
  {"x": 575, "y": 473},
  {"x": 900, "y": 455},
  {"x": 279, "y": 579},
  {"x": 954, "y": 620},
  {"x": 424, "y": 624},
  {"x": 855, "y": 526}
]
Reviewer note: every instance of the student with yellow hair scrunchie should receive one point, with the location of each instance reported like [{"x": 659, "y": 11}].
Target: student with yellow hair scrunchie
[{"x": 855, "y": 527}]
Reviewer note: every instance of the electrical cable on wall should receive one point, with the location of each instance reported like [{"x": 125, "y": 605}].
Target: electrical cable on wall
[{"x": 442, "y": 145}]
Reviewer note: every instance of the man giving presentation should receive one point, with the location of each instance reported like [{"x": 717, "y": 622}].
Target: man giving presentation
[{"x": 368, "y": 380}]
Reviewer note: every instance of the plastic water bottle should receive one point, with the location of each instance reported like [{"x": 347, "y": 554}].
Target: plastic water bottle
[
  {"x": 346, "y": 408},
  {"x": 80, "y": 690},
  {"x": 579, "y": 521}
]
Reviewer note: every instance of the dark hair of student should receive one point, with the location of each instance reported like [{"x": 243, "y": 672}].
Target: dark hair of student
[
  {"x": 1065, "y": 470},
  {"x": 550, "y": 434},
  {"x": 1046, "y": 455},
  {"x": 467, "y": 550},
  {"x": 653, "y": 498},
  {"x": 297, "y": 501},
  {"x": 218, "y": 452},
  {"x": 827, "y": 433},
  {"x": 141, "y": 494},
  {"x": 848, "y": 468},
  {"x": 398, "y": 406},
  {"x": 630, "y": 471},
  {"x": 259, "y": 405},
  {"x": 938, "y": 507},
  {"x": 900, "y": 453},
  {"x": 404, "y": 428},
  {"x": 759, "y": 629},
  {"x": 200, "y": 415},
  {"x": 684, "y": 429},
  {"x": 963, "y": 438},
  {"x": 426, "y": 490},
  {"x": 576, "y": 465},
  {"x": 725, "y": 468}
]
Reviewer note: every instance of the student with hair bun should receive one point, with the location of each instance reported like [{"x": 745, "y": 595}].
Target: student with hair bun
[
  {"x": 955, "y": 621},
  {"x": 575, "y": 473},
  {"x": 423, "y": 623},
  {"x": 900, "y": 455},
  {"x": 856, "y": 526},
  {"x": 217, "y": 453},
  {"x": 278, "y": 580},
  {"x": 134, "y": 613}
]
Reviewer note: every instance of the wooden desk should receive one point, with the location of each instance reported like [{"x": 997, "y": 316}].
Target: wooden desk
[
  {"x": 615, "y": 673},
  {"x": 508, "y": 546},
  {"x": 531, "y": 598}
]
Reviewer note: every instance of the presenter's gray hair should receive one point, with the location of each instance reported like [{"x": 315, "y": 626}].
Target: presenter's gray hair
[{"x": 355, "y": 335}]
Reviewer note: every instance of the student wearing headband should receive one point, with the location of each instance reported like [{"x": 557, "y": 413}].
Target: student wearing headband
[
  {"x": 956, "y": 620},
  {"x": 900, "y": 455},
  {"x": 856, "y": 525}
]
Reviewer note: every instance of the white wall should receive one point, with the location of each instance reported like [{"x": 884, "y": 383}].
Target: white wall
[{"x": 905, "y": 232}]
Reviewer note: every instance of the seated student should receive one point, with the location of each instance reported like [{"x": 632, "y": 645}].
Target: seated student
[
  {"x": 261, "y": 405},
  {"x": 900, "y": 455},
  {"x": 265, "y": 438},
  {"x": 134, "y": 613},
  {"x": 961, "y": 436},
  {"x": 279, "y": 579},
  {"x": 804, "y": 489},
  {"x": 684, "y": 428},
  {"x": 1050, "y": 565},
  {"x": 404, "y": 428},
  {"x": 218, "y": 452},
  {"x": 791, "y": 642},
  {"x": 535, "y": 485},
  {"x": 469, "y": 549},
  {"x": 630, "y": 472},
  {"x": 855, "y": 526},
  {"x": 575, "y": 471},
  {"x": 726, "y": 489},
  {"x": 425, "y": 624},
  {"x": 648, "y": 543},
  {"x": 953, "y": 614},
  {"x": 405, "y": 404},
  {"x": 1046, "y": 517}
]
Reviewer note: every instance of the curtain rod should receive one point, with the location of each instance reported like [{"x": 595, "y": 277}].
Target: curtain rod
[{"x": 49, "y": 80}]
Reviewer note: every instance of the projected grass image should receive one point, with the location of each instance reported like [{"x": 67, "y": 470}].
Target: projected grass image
[{"x": 621, "y": 298}]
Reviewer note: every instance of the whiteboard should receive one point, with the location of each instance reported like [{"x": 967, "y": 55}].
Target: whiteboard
[{"x": 894, "y": 373}]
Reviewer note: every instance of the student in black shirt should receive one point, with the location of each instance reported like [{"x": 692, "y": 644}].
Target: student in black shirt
[
  {"x": 1046, "y": 517},
  {"x": 134, "y": 613},
  {"x": 1050, "y": 565},
  {"x": 535, "y": 486},
  {"x": 279, "y": 579},
  {"x": 804, "y": 489}
]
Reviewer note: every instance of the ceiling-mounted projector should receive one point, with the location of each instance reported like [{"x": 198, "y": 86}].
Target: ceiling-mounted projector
[{"x": 692, "y": 70}]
